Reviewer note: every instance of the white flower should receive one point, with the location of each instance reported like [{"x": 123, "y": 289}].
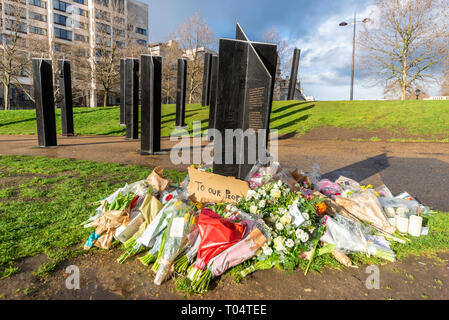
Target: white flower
[
  {"x": 228, "y": 207},
  {"x": 253, "y": 209},
  {"x": 279, "y": 226},
  {"x": 289, "y": 243},
  {"x": 307, "y": 224},
  {"x": 282, "y": 211},
  {"x": 305, "y": 215},
  {"x": 299, "y": 233},
  {"x": 304, "y": 237},
  {"x": 279, "y": 183},
  {"x": 275, "y": 193},
  {"x": 262, "y": 203},
  {"x": 279, "y": 243},
  {"x": 250, "y": 194},
  {"x": 286, "y": 219},
  {"x": 268, "y": 251}
]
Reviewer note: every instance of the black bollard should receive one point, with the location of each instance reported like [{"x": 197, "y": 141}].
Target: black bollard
[
  {"x": 45, "y": 102},
  {"x": 151, "y": 82},
  {"x": 65, "y": 89},
  {"x": 181, "y": 93},
  {"x": 293, "y": 75},
  {"x": 132, "y": 98}
]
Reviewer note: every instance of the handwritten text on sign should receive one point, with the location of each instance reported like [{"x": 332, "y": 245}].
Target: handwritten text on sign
[{"x": 208, "y": 187}]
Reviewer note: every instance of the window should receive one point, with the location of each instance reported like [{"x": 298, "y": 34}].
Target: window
[
  {"x": 16, "y": 26},
  {"x": 14, "y": 10},
  {"x": 103, "y": 15},
  {"x": 60, "y": 5},
  {"x": 38, "y": 30},
  {"x": 60, "y": 19},
  {"x": 103, "y": 28},
  {"x": 63, "y": 34},
  {"x": 119, "y": 44},
  {"x": 141, "y": 31},
  {"x": 80, "y": 12},
  {"x": 80, "y": 37},
  {"x": 80, "y": 1},
  {"x": 38, "y": 3},
  {"x": 118, "y": 32},
  {"x": 79, "y": 25},
  {"x": 37, "y": 16},
  {"x": 103, "y": 2},
  {"x": 141, "y": 42}
]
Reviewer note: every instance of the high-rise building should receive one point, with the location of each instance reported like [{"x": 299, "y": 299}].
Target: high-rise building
[{"x": 88, "y": 25}]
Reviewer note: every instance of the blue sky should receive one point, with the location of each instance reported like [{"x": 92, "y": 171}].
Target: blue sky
[{"x": 312, "y": 26}]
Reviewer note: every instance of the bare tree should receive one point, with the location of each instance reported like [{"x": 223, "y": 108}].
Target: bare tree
[
  {"x": 170, "y": 53},
  {"x": 407, "y": 46},
  {"x": 13, "y": 51},
  {"x": 194, "y": 37},
  {"x": 284, "y": 51}
]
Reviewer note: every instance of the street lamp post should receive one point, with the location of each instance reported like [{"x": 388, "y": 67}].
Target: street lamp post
[{"x": 343, "y": 24}]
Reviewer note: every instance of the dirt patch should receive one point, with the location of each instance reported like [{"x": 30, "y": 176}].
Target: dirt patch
[
  {"x": 333, "y": 133},
  {"x": 101, "y": 277}
]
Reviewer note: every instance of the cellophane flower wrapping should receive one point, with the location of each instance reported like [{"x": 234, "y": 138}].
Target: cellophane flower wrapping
[
  {"x": 217, "y": 234},
  {"x": 177, "y": 238},
  {"x": 238, "y": 253}
]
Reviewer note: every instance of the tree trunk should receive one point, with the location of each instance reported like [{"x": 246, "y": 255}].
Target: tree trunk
[
  {"x": 6, "y": 97},
  {"x": 105, "y": 98}
]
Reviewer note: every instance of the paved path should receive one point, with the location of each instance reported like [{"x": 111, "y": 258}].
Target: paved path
[{"x": 422, "y": 169}]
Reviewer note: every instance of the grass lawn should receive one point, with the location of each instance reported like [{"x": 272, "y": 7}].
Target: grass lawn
[
  {"x": 43, "y": 201},
  {"x": 414, "y": 118}
]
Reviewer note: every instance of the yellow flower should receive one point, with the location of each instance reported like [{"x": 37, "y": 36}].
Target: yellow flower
[
  {"x": 285, "y": 219},
  {"x": 275, "y": 193}
]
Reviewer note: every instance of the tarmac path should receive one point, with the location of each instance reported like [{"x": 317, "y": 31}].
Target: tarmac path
[{"x": 420, "y": 168}]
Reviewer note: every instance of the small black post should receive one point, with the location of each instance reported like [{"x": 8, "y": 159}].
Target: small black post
[
  {"x": 65, "y": 89},
  {"x": 122, "y": 92},
  {"x": 205, "y": 97},
  {"x": 150, "y": 129},
  {"x": 181, "y": 93},
  {"x": 45, "y": 103},
  {"x": 132, "y": 98},
  {"x": 213, "y": 92},
  {"x": 293, "y": 75}
]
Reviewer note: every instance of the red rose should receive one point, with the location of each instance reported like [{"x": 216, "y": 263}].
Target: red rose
[{"x": 169, "y": 197}]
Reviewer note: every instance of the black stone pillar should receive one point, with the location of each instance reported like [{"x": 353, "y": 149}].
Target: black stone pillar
[
  {"x": 293, "y": 75},
  {"x": 181, "y": 93},
  {"x": 65, "y": 89},
  {"x": 122, "y": 92},
  {"x": 45, "y": 103},
  {"x": 151, "y": 79},
  {"x": 213, "y": 92},
  {"x": 244, "y": 95},
  {"x": 205, "y": 97},
  {"x": 132, "y": 98}
]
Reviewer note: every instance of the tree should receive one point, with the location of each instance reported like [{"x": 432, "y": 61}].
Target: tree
[
  {"x": 284, "y": 51},
  {"x": 13, "y": 52},
  {"x": 194, "y": 37},
  {"x": 170, "y": 53},
  {"x": 407, "y": 47}
]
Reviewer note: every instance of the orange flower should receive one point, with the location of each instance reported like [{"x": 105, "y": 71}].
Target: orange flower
[{"x": 320, "y": 207}]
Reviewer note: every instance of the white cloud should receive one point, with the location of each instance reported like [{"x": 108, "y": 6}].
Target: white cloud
[{"x": 326, "y": 51}]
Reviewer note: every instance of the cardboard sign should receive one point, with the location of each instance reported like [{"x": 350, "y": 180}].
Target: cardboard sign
[{"x": 209, "y": 187}]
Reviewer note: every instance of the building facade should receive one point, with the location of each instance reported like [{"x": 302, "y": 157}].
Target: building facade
[{"x": 80, "y": 26}]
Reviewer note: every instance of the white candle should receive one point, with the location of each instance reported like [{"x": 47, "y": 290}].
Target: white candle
[
  {"x": 402, "y": 224},
  {"x": 415, "y": 226}
]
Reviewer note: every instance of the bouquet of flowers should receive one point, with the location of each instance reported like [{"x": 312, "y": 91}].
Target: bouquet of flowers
[
  {"x": 295, "y": 224},
  {"x": 176, "y": 240},
  {"x": 217, "y": 234}
]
